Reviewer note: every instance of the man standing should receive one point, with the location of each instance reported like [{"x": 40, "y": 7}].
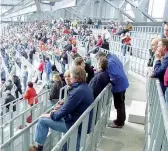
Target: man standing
[{"x": 119, "y": 83}]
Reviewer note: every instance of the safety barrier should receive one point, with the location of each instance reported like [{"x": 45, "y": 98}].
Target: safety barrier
[
  {"x": 156, "y": 138},
  {"x": 18, "y": 119},
  {"x": 148, "y": 29},
  {"x": 16, "y": 107},
  {"x": 135, "y": 41},
  {"x": 138, "y": 57},
  {"x": 36, "y": 110}
]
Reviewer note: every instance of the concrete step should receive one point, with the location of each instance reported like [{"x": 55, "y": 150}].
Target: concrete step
[{"x": 137, "y": 112}]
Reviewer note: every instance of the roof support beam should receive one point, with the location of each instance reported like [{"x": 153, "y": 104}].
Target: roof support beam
[
  {"x": 122, "y": 11},
  {"x": 144, "y": 13},
  {"x": 10, "y": 5}
]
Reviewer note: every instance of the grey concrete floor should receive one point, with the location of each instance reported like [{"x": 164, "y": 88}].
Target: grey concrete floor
[{"x": 131, "y": 136}]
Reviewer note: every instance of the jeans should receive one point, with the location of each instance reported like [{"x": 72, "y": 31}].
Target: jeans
[
  {"x": 43, "y": 126},
  {"x": 42, "y": 129},
  {"x": 24, "y": 84},
  {"x": 63, "y": 67},
  {"x": 18, "y": 90},
  {"x": 48, "y": 77},
  {"x": 124, "y": 48}
]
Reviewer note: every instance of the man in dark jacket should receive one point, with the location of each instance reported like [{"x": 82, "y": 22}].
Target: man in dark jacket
[
  {"x": 161, "y": 66},
  {"x": 68, "y": 47},
  {"x": 105, "y": 45},
  {"x": 8, "y": 85},
  {"x": 78, "y": 100},
  {"x": 17, "y": 83},
  {"x": 64, "y": 60},
  {"x": 9, "y": 98},
  {"x": 101, "y": 78}
]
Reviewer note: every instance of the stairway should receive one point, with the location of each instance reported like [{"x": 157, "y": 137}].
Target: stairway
[{"x": 131, "y": 137}]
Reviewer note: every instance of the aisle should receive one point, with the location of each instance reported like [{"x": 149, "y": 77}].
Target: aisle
[{"x": 131, "y": 137}]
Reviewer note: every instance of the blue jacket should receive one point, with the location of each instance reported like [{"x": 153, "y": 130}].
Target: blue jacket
[
  {"x": 160, "y": 69},
  {"x": 117, "y": 75},
  {"x": 48, "y": 67},
  {"x": 78, "y": 100},
  {"x": 99, "y": 82}
]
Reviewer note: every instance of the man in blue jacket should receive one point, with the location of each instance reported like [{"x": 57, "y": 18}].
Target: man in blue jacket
[
  {"x": 161, "y": 63},
  {"x": 48, "y": 69},
  {"x": 119, "y": 83},
  {"x": 78, "y": 100}
]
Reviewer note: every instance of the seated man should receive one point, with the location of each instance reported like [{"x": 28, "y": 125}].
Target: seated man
[{"x": 78, "y": 100}]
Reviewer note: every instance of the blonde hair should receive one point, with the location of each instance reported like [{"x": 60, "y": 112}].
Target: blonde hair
[
  {"x": 56, "y": 77},
  {"x": 78, "y": 61},
  {"x": 78, "y": 73}
]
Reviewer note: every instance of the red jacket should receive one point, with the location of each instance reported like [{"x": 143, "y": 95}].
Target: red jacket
[
  {"x": 41, "y": 66},
  {"x": 166, "y": 78},
  {"x": 30, "y": 95},
  {"x": 99, "y": 42}
]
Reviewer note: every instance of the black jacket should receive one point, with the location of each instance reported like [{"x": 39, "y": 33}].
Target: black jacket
[
  {"x": 68, "y": 47},
  {"x": 16, "y": 81},
  {"x": 65, "y": 58},
  {"x": 105, "y": 45},
  {"x": 55, "y": 90},
  {"x": 90, "y": 72},
  {"x": 9, "y": 98},
  {"x": 99, "y": 82}
]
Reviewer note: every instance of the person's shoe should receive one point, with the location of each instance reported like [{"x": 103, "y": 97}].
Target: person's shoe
[
  {"x": 33, "y": 148},
  {"x": 113, "y": 125}
]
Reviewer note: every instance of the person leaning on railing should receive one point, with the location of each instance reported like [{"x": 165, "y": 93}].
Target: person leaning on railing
[
  {"x": 119, "y": 83},
  {"x": 78, "y": 100},
  {"x": 161, "y": 63}
]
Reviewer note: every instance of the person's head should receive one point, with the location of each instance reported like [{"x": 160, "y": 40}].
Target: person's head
[
  {"x": 104, "y": 27},
  {"x": 100, "y": 54},
  {"x": 47, "y": 59},
  {"x": 166, "y": 29},
  {"x": 30, "y": 84},
  {"x": 77, "y": 74},
  {"x": 154, "y": 44},
  {"x": 99, "y": 36},
  {"x": 25, "y": 67},
  {"x": 163, "y": 46},
  {"x": 67, "y": 77},
  {"x": 79, "y": 62},
  {"x": 56, "y": 77},
  {"x": 102, "y": 64}
]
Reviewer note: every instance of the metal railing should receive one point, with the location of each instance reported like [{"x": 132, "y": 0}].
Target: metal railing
[
  {"x": 88, "y": 141},
  {"x": 18, "y": 119},
  {"x": 156, "y": 138},
  {"x": 28, "y": 131}
]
